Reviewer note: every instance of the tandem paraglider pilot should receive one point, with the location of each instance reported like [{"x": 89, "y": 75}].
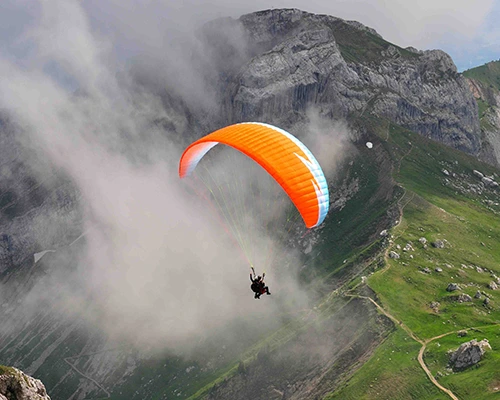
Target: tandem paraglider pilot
[{"x": 258, "y": 286}]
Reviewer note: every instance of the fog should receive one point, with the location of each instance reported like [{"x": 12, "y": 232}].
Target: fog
[{"x": 82, "y": 83}]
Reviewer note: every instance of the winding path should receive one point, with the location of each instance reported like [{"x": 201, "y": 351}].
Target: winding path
[
  {"x": 100, "y": 386},
  {"x": 417, "y": 339},
  {"x": 428, "y": 372},
  {"x": 108, "y": 395}
]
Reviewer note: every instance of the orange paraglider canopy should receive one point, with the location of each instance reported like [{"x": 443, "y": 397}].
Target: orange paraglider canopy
[{"x": 282, "y": 155}]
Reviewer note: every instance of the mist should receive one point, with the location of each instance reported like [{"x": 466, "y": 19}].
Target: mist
[{"x": 157, "y": 269}]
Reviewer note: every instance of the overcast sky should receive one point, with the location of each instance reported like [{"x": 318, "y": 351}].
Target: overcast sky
[{"x": 467, "y": 30}]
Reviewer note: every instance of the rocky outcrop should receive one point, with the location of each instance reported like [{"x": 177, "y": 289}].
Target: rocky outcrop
[
  {"x": 461, "y": 298},
  {"x": 468, "y": 354},
  {"x": 297, "y": 60},
  {"x": 16, "y": 385},
  {"x": 452, "y": 287},
  {"x": 483, "y": 84}
]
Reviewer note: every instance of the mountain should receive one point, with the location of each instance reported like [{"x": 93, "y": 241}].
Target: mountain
[
  {"x": 413, "y": 213},
  {"x": 294, "y": 59}
]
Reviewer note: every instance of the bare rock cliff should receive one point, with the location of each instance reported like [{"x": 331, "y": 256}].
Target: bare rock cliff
[{"x": 293, "y": 60}]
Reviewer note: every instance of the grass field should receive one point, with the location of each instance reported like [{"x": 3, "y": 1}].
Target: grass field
[
  {"x": 452, "y": 207},
  {"x": 479, "y": 382},
  {"x": 392, "y": 372},
  {"x": 488, "y": 74}
]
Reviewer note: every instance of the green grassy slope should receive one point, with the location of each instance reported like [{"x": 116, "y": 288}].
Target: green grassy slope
[
  {"x": 392, "y": 373},
  {"x": 454, "y": 208},
  {"x": 479, "y": 382},
  {"x": 488, "y": 74},
  {"x": 362, "y": 46}
]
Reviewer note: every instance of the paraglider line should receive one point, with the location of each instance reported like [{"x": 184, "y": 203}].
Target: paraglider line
[{"x": 220, "y": 220}]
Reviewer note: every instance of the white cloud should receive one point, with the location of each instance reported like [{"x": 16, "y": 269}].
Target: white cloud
[{"x": 159, "y": 269}]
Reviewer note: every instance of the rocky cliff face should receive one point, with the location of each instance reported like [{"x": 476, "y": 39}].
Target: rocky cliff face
[
  {"x": 295, "y": 60},
  {"x": 16, "y": 385},
  {"x": 484, "y": 84}
]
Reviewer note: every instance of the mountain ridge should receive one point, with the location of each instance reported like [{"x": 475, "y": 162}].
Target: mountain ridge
[{"x": 345, "y": 71}]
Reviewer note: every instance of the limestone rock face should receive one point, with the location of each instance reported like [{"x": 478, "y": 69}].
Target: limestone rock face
[
  {"x": 490, "y": 118},
  {"x": 15, "y": 384},
  {"x": 297, "y": 59},
  {"x": 468, "y": 354}
]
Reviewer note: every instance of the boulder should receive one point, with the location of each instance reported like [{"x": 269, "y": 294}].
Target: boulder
[
  {"x": 480, "y": 175},
  {"x": 408, "y": 247},
  {"x": 452, "y": 287},
  {"x": 422, "y": 240},
  {"x": 488, "y": 182},
  {"x": 438, "y": 244},
  {"x": 394, "y": 255},
  {"x": 15, "y": 384},
  {"x": 492, "y": 285},
  {"x": 462, "y": 298},
  {"x": 477, "y": 295},
  {"x": 468, "y": 354},
  {"x": 437, "y": 269}
]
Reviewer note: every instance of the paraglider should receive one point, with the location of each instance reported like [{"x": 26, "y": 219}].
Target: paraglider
[
  {"x": 258, "y": 286},
  {"x": 283, "y": 156}
]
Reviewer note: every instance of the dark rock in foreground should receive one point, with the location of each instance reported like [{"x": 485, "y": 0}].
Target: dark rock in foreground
[{"x": 16, "y": 385}]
